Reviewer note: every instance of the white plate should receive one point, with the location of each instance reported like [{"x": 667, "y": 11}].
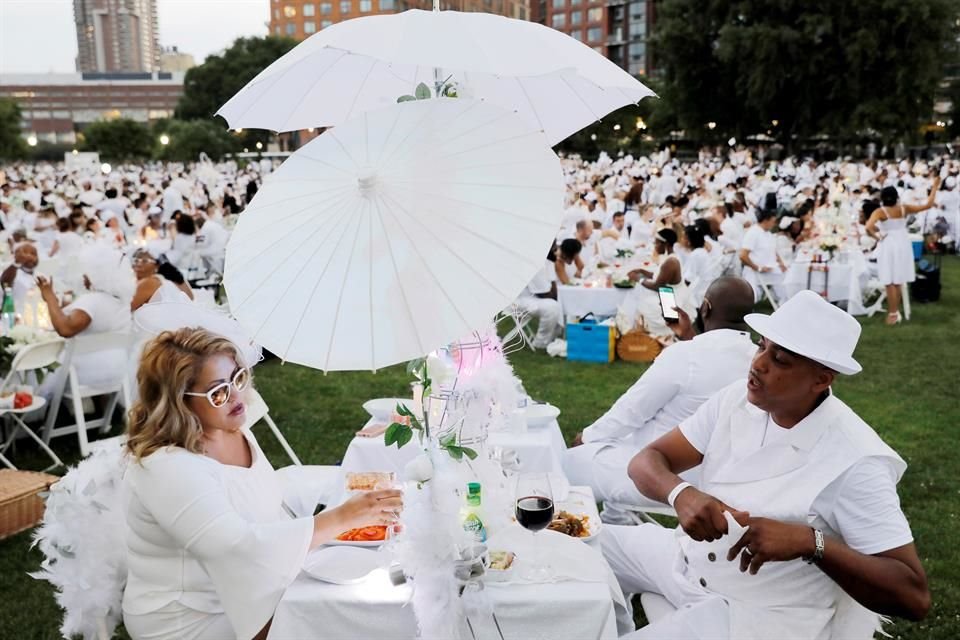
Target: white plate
[
  {"x": 540, "y": 415},
  {"x": 381, "y": 409},
  {"x": 343, "y": 565}
]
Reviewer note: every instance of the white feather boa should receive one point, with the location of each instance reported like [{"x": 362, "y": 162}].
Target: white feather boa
[{"x": 83, "y": 539}]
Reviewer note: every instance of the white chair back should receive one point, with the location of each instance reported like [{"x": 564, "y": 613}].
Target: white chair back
[
  {"x": 35, "y": 356},
  {"x": 93, "y": 342},
  {"x": 257, "y": 410}
]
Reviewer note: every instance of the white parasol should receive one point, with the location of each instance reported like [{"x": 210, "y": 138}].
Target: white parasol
[
  {"x": 157, "y": 317},
  {"x": 553, "y": 81},
  {"x": 394, "y": 234}
]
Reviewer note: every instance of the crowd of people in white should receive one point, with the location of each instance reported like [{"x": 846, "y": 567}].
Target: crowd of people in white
[
  {"x": 693, "y": 222},
  {"x": 736, "y": 438}
]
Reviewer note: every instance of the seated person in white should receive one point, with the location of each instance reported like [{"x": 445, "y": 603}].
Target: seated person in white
[
  {"x": 19, "y": 276},
  {"x": 814, "y": 485},
  {"x": 758, "y": 254},
  {"x": 567, "y": 263},
  {"x": 682, "y": 377},
  {"x": 211, "y": 549},
  {"x": 102, "y": 307},
  {"x": 539, "y": 299},
  {"x": 157, "y": 281}
]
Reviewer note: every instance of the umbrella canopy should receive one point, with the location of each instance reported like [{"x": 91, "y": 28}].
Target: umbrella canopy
[
  {"x": 394, "y": 234},
  {"x": 553, "y": 81},
  {"x": 157, "y": 317}
]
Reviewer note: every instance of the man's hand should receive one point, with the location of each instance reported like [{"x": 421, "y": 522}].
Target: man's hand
[
  {"x": 701, "y": 515},
  {"x": 577, "y": 439},
  {"x": 770, "y": 541},
  {"x": 46, "y": 289},
  {"x": 683, "y": 327}
]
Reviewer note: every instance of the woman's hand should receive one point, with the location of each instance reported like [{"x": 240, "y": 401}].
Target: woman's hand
[
  {"x": 369, "y": 508},
  {"x": 46, "y": 289}
]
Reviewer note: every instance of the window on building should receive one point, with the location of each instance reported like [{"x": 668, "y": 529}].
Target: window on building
[
  {"x": 559, "y": 4},
  {"x": 276, "y": 14},
  {"x": 388, "y": 5},
  {"x": 577, "y": 34},
  {"x": 309, "y": 26},
  {"x": 326, "y": 8},
  {"x": 325, "y": 23},
  {"x": 290, "y": 11},
  {"x": 366, "y": 6},
  {"x": 576, "y": 3},
  {"x": 638, "y": 11},
  {"x": 638, "y": 68},
  {"x": 308, "y": 9},
  {"x": 576, "y": 17},
  {"x": 346, "y": 6},
  {"x": 594, "y": 34},
  {"x": 595, "y": 14},
  {"x": 291, "y": 29},
  {"x": 638, "y": 30},
  {"x": 558, "y": 20},
  {"x": 277, "y": 31},
  {"x": 638, "y": 51}
]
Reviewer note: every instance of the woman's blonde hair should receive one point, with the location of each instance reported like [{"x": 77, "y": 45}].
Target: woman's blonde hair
[{"x": 169, "y": 367}]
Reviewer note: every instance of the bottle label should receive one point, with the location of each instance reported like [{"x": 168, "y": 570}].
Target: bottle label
[{"x": 472, "y": 524}]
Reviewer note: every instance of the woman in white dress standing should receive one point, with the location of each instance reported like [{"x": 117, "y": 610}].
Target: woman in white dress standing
[
  {"x": 888, "y": 225},
  {"x": 210, "y": 547}
]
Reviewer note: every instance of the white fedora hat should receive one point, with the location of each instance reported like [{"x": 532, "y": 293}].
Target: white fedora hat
[{"x": 809, "y": 326}]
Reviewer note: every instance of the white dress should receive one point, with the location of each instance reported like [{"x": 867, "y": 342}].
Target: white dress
[
  {"x": 168, "y": 292},
  {"x": 895, "y": 253},
  {"x": 210, "y": 550}
]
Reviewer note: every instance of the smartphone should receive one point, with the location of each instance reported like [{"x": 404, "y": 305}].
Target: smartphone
[{"x": 667, "y": 304}]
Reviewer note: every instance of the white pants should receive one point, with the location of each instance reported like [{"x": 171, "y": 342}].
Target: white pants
[
  {"x": 549, "y": 316},
  {"x": 644, "y": 559},
  {"x": 178, "y": 622}
]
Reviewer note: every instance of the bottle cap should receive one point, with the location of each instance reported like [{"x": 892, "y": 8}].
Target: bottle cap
[{"x": 473, "y": 493}]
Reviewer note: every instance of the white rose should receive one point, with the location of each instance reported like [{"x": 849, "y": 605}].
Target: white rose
[
  {"x": 420, "y": 469},
  {"x": 440, "y": 371}
]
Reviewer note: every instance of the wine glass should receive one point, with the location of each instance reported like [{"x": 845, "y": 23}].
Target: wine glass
[{"x": 534, "y": 513}]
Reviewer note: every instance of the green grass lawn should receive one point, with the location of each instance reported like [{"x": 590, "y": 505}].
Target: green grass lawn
[{"x": 908, "y": 392}]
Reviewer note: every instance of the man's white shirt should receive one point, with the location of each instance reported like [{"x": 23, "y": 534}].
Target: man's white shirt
[{"x": 681, "y": 379}]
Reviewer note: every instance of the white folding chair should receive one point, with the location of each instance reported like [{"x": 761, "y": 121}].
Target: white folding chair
[
  {"x": 520, "y": 334},
  {"x": 30, "y": 358},
  {"x": 76, "y": 391},
  {"x": 769, "y": 294},
  {"x": 257, "y": 410}
]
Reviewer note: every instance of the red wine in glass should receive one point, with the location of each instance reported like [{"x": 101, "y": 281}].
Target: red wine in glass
[{"x": 534, "y": 512}]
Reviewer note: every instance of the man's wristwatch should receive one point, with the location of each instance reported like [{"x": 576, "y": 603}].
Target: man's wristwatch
[{"x": 817, "y": 549}]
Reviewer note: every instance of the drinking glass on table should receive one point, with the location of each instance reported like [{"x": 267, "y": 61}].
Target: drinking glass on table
[{"x": 534, "y": 513}]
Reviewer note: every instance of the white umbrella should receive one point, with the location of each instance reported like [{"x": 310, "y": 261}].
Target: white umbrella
[
  {"x": 394, "y": 234},
  {"x": 550, "y": 79},
  {"x": 157, "y": 317}
]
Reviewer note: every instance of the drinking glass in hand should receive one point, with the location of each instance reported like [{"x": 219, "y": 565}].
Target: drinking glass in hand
[{"x": 534, "y": 513}]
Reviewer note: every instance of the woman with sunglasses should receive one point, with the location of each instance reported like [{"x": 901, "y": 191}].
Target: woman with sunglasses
[{"x": 211, "y": 545}]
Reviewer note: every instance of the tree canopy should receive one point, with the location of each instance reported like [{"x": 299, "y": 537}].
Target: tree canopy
[
  {"x": 207, "y": 86},
  {"x": 803, "y": 67},
  {"x": 187, "y": 139},
  {"x": 11, "y": 144},
  {"x": 120, "y": 139}
]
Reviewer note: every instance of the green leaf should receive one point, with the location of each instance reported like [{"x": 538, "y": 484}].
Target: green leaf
[
  {"x": 470, "y": 453},
  {"x": 455, "y": 452},
  {"x": 416, "y": 364},
  {"x": 394, "y": 433},
  {"x": 423, "y": 92},
  {"x": 406, "y": 99},
  {"x": 403, "y": 411},
  {"x": 449, "y": 440},
  {"x": 404, "y": 437}
]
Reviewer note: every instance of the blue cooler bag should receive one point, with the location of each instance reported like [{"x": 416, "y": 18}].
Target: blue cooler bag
[{"x": 588, "y": 341}]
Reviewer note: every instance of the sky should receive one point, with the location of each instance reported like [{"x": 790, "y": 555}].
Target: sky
[{"x": 38, "y": 36}]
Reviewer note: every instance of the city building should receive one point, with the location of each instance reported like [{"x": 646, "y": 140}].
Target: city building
[
  {"x": 56, "y": 106},
  {"x": 117, "y": 36},
  {"x": 300, "y": 19},
  {"x": 172, "y": 59}
]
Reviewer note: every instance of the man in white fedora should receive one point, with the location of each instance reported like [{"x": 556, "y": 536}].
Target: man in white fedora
[{"x": 795, "y": 529}]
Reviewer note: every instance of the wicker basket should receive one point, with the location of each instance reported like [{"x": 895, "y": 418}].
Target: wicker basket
[
  {"x": 638, "y": 346},
  {"x": 21, "y": 506}
]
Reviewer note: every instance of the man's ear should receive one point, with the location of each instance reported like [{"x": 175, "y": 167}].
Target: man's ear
[{"x": 823, "y": 379}]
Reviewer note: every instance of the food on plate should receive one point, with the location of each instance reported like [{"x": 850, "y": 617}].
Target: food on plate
[
  {"x": 368, "y": 480},
  {"x": 22, "y": 400},
  {"x": 376, "y": 533},
  {"x": 626, "y": 283},
  {"x": 570, "y": 524},
  {"x": 501, "y": 560}
]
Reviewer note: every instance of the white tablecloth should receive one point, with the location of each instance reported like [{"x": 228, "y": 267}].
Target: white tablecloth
[
  {"x": 579, "y": 301},
  {"x": 581, "y": 608},
  {"x": 844, "y": 283},
  {"x": 538, "y": 449}
]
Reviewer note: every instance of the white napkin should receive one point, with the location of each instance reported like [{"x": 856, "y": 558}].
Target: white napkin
[
  {"x": 343, "y": 564},
  {"x": 734, "y": 530}
]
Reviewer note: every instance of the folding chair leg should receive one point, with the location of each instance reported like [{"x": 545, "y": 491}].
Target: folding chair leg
[
  {"x": 57, "y": 462},
  {"x": 283, "y": 441},
  {"x": 905, "y": 297},
  {"x": 7, "y": 463},
  {"x": 78, "y": 415},
  {"x": 108, "y": 415},
  {"x": 766, "y": 292}
]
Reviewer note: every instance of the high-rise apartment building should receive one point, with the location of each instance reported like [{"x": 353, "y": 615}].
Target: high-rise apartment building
[
  {"x": 172, "y": 59},
  {"x": 618, "y": 29},
  {"x": 117, "y": 36},
  {"x": 302, "y": 18}
]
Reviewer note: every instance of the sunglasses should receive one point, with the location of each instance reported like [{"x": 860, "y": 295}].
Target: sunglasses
[{"x": 220, "y": 394}]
